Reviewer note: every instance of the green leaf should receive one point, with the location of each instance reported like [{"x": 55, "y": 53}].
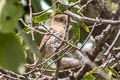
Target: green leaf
[
  {"x": 89, "y": 77},
  {"x": 11, "y": 53},
  {"x": 10, "y": 11},
  {"x": 84, "y": 26},
  {"x": 48, "y": 2},
  {"x": 38, "y": 38},
  {"x": 95, "y": 70},
  {"x": 75, "y": 32},
  {"x": 114, "y": 73},
  {"x": 42, "y": 17}
]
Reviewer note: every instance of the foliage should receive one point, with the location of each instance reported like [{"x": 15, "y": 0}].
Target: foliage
[{"x": 11, "y": 52}]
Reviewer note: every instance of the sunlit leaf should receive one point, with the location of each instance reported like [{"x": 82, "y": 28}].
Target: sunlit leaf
[
  {"x": 83, "y": 25},
  {"x": 114, "y": 73},
  {"x": 10, "y": 11},
  {"x": 95, "y": 70},
  {"x": 89, "y": 77},
  {"x": 108, "y": 72},
  {"x": 52, "y": 66}
]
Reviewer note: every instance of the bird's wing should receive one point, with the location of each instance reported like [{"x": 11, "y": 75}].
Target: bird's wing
[{"x": 45, "y": 39}]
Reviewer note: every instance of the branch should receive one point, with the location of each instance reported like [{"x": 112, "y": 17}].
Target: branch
[
  {"x": 91, "y": 20},
  {"x": 11, "y": 75}
]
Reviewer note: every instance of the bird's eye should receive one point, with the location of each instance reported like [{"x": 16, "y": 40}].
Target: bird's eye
[{"x": 61, "y": 19}]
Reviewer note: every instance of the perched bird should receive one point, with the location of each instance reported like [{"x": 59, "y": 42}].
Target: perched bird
[{"x": 49, "y": 43}]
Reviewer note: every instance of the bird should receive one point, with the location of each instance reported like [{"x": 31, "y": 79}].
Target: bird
[{"x": 49, "y": 43}]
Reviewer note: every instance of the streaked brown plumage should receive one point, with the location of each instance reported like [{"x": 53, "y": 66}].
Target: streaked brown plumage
[{"x": 50, "y": 43}]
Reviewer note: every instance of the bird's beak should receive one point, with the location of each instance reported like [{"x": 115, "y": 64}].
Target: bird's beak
[{"x": 72, "y": 22}]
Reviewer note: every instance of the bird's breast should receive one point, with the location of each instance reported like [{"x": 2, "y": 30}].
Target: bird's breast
[{"x": 53, "y": 44}]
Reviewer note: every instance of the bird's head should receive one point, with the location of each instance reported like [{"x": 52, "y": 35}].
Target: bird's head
[{"x": 60, "y": 21}]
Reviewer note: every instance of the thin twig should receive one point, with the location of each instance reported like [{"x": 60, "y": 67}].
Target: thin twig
[
  {"x": 31, "y": 24},
  {"x": 57, "y": 69},
  {"x": 32, "y": 27},
  {"x": 39, "y": 13},
  {"x": 83, "y": 6},
  {"x": 116, "y": 59},
  {"x": 113, "y": 43},
  {"x": 9, "y": 77},
  {"x": 73, "y": 4},
  {"x": 11, "y": 74}
]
